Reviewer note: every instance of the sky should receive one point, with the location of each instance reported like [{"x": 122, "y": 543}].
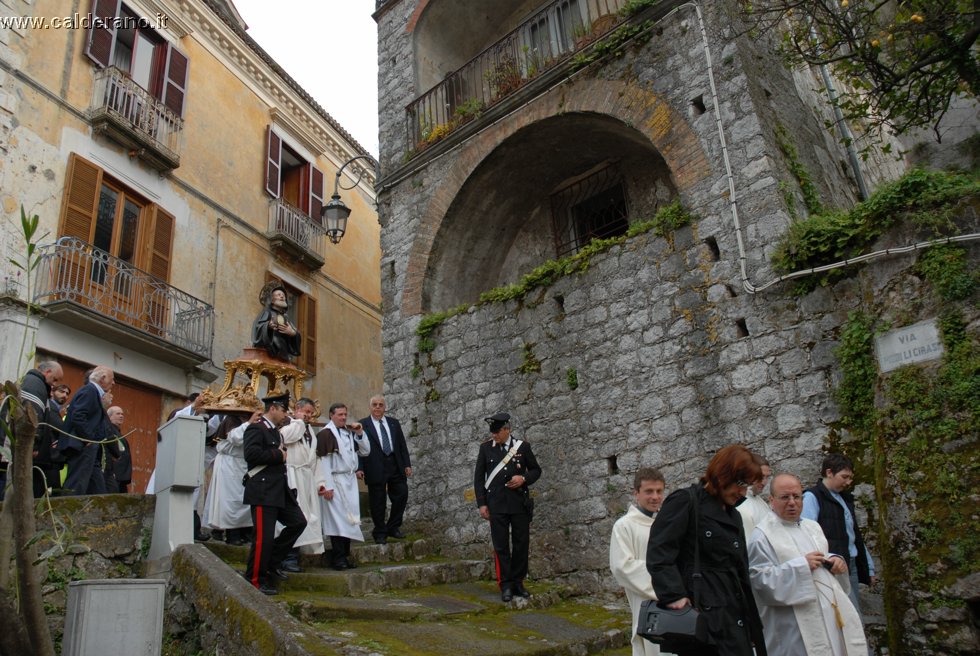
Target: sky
[{"x": 330, "y": 48}]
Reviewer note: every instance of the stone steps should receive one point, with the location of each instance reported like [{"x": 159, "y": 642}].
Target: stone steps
[{"x": 405, "y": 600}]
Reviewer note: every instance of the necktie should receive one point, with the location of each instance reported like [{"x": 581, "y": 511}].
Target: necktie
[{"x": 385, "y": 440}]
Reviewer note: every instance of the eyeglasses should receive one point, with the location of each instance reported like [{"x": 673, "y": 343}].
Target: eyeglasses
[
  {"x": 786, "y": 497},
  {"x": 743, "y": 484}
]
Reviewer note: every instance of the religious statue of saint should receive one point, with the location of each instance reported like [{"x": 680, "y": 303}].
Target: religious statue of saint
[{"x": 272, "y": 330}]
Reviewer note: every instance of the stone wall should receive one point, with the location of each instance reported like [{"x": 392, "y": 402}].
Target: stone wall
[
  {"x": 654, "y": 356},
  {"x": 100, "y": 537}
]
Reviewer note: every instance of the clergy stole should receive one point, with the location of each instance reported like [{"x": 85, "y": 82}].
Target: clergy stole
[{"x": 826, "y": 584}]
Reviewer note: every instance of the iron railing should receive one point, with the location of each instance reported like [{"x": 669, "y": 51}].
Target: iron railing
[
  {"x": 549, "y": 36},
  {"x": 294, "y": 224},
  {"x": 75, "y": 271},
  {"x": 117, "y": 95}
]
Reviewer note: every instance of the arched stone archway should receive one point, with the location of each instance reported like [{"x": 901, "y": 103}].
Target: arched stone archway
[{"x": 452, "y": 243}]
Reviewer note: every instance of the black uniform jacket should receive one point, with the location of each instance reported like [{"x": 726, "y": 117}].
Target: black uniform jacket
[
  {"x": 724, "y": 594},
  {"x": 499, "y": 498},
  {"x": 268, "y": 487},
  {"x": 373, "y": 464}
]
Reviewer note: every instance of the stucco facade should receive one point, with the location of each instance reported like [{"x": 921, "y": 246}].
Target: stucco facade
[{"x": 226, "y": 239}]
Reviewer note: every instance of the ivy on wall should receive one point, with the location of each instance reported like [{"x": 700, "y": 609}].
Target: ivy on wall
[
  {"x": 926, "y": 200},
  {"x": 811, "y": 197},
  {"x": 667, "y": 219},
  {"x": 919, "y": 428}
]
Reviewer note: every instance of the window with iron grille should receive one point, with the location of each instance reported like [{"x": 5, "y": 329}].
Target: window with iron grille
[{"x": 593, "y": 206}]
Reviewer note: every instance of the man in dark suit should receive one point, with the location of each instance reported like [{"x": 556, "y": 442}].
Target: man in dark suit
[
  {"x": 87, "y": 425},
  {"x": 501, "y": 480},
  {"x": 269, "y": 495},
  {"x": 118, "y": 470},
  {"x": 386, "y": 471}
]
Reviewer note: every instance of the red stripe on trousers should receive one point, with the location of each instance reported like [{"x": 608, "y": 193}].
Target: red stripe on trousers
[
  {"x": 258, "y": 546},
  {"x": 496, "y": 566}
]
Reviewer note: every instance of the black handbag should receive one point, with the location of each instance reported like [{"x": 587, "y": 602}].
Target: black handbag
[{"x": 678, "y": 630}]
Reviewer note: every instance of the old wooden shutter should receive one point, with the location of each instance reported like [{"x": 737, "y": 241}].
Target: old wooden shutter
[
  {"x": 316, "y": 193},
  {"x": 101, "y": 42},
  {"x": 273, "y": 169},
  {"x": 303, "y": 198},
  {"x": 307, "y": 358},
  {"x": 157, "y": 247},
  {"x": 83, "y": 183},
  {"x": 159, "y": 243},
  {"x": 175, "y": 80}
]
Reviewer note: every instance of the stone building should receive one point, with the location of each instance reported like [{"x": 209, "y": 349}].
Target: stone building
[
  {"x": 515, "y": 132},
  {"x": 175, "y": 168}
]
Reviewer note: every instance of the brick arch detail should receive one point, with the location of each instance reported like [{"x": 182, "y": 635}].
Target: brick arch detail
[
  {"x": 414, "y": 19},
  {"x": 648, "y": 113}
]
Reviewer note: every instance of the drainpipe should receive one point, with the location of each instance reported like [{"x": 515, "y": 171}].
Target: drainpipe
[{"x": 845, "y": 131}]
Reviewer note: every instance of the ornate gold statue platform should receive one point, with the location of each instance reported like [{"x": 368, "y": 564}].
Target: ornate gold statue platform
[{"x": 254, "y": 365}]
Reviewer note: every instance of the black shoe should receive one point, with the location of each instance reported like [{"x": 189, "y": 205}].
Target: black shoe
[
  {"x": 338, "y": 565},
  {"x": 396, "y": 534},
  {"x": 202, "y": 537},
  {"x": 236, "y": 542},
  {"x": 381, "y": 540},
  {"x": 506, "y": 594},
  {"x": 291, "y": 566},
  {"x": 278, "y": 573},
  {"x": 521, "y": 591},
  {"x": 267, "y": 589}
]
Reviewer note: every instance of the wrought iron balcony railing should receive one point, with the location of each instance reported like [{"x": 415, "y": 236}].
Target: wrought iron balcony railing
[
  {"x": 550, "y": 36},
  {"x": 75, "y": 272},
  {"x": 292, "y": 230},
  {"x": 132, "y": 116}
]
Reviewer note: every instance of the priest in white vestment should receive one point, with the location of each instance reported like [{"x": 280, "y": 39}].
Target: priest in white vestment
[
  {"x": 338, "y": 446},
  {"x": 301, "y": 475},
  {"x": 753, "y": 508},
  {"x": 628, "y": 549},
  {"x": 225, "y": 509},
  {"x": 805, "y": 610}
]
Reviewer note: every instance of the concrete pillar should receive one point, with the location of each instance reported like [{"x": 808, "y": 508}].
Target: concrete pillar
[{"x": 179, "y": 469}]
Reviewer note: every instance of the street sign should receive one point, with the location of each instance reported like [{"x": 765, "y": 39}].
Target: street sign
[{"x": 919, "y": 342}]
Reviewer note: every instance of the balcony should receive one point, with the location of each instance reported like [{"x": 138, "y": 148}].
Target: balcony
[
  {"x": 549, "y": 37},
  {"x": 128, "y": 114},
  {"x": 92, "y": 291},
  {"x": 295, "y": 234}
]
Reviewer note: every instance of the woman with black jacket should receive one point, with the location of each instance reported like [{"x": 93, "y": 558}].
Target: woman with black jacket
[{"x": 723, "y": 594}]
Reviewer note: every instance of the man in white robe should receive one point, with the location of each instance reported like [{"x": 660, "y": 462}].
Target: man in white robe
[
  {"x": 338, "y": 447},
  {"x": 754, "y": 507},
  {"x": 805, "y": 610},
  {"x": 628, "y": 549},
  {"x": 225, "y": 510},
  {"x": 301, "y": 475}
]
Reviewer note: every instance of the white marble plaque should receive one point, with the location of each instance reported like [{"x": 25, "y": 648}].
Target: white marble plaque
[{"x": 919, "y": 342}]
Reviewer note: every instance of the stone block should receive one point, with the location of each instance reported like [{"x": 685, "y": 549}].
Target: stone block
[{"x": 114, "y": 616}]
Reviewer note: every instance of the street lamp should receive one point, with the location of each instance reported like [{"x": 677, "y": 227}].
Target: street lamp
[{"x": 335, "y": 213}]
